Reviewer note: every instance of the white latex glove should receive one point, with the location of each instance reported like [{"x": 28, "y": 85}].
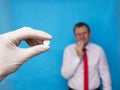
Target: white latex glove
[{"x": 12, "y": 56}]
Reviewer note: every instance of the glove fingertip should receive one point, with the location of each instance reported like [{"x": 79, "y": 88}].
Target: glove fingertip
[{"x": 35, "y": 50}]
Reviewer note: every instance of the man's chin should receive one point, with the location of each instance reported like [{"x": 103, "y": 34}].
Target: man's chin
[{"x": 85, "y": 43}]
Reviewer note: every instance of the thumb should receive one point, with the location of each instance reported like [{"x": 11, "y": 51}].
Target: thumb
[{"x": 35, "y": 50}]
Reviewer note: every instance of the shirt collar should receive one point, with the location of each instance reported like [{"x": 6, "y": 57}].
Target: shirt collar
[{"x": 87, "y": 46}]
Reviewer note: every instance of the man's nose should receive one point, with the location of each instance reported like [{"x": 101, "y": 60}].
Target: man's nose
[{"x": 82, "y": 35}]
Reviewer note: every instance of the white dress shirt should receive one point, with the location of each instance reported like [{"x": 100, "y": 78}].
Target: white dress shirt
[{"x": 73, "y": 70}]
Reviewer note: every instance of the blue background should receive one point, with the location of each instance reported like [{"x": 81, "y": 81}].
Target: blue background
[{"x": 57, "y": 17}]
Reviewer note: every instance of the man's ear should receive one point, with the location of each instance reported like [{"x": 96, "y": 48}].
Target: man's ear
[
  {"x": 74, "y": 37},
  {"x": 90, "y": 34}
]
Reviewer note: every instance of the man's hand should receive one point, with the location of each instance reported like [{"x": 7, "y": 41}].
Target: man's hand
[
  {"x": 79, "y": 49},
  {"x": 12, "y": 56}
]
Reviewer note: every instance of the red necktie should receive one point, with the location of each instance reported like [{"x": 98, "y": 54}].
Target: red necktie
[{"x": 85, "y": 70}]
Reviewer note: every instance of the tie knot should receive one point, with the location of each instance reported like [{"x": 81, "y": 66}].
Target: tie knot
[{"x": 84, "y": 49}]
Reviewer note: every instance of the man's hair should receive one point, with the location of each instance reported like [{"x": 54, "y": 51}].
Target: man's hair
[{"x": 81, "y": 24}]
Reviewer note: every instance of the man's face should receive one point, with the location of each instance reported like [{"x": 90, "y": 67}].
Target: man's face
[{"x": 82, "y": 34}]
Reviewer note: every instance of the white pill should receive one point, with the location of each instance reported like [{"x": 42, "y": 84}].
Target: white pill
[{"x": 46, "y": 42}]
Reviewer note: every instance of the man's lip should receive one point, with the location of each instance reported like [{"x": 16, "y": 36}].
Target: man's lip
[{"x": 82, "y": 39}]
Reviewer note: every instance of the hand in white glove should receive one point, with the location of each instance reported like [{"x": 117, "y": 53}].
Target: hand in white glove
[{"x": 12, "y": 56}]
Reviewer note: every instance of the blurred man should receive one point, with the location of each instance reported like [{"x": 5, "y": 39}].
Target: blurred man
[{"x": 84, "y": 63}]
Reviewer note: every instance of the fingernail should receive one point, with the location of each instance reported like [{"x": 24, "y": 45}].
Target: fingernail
[{"x": 50, "y": 36}]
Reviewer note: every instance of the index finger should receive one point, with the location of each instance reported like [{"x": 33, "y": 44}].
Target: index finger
[{"x": 29, "y": 33}]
